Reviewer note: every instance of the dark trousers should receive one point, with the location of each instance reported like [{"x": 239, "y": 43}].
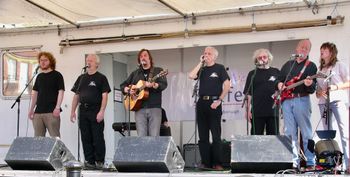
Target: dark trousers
[
  {"x": 92, "y": 135},
  {"x": 259, "y": 124},
  {"x": 209, "y": 120}
]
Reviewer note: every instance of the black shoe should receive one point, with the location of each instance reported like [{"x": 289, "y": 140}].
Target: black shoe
[
  {"x": 218, "y": 168},
  {"x": 89, "y": 166},
  {"x": 100, "y": 165}
]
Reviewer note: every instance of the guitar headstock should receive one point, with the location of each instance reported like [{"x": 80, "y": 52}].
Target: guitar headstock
[
  {"x": 320, "y": 74},
  {"x": 162, "y": 73}
]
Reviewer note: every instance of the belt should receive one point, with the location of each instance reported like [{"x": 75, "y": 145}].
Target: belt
[
  {"x": 210, "y": 97},
  {"x": 299, "y": 94},
  {"x": 87, "y": 105}
]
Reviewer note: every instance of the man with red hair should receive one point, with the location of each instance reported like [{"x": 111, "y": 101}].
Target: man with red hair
[{"x": 47, "y": 96}]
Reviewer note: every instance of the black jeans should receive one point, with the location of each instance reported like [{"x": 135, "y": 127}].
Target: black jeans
[
  {"x": 92, "y": 135},
  {"x": 209, "y": 119}
]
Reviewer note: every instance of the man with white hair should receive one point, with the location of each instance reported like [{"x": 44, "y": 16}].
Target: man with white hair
[
  {"x": 259, "y": 87},
  {"x": 213, "y": 87},
  {"x": 91, "y": 91}
]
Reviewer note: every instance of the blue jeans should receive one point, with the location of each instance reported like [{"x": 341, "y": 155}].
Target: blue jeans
[
  {"x": 339, "y": 110},
  {"x": 148, "y": 121},
  {"x": 297, "y": 113}
]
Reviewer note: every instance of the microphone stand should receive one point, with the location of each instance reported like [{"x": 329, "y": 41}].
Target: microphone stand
[
  {"x": 129, "y": 112},
  {"x": 195, "y": 95},
  {"x": 246, "y": 100},
  {"x": 278, "y": 96},
  {"x": 18, "y": 100},
  {"x": 328, "y": 119},
  {"x": 78, "y": 92}
]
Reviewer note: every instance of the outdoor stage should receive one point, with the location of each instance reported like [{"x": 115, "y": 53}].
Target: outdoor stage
[{"x": 6, "y": 171}]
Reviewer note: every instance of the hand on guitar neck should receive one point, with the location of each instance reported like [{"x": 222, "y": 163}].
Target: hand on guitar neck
[
  {"x": 285, "y": 91},
  {"x": 139, "y": 92}
]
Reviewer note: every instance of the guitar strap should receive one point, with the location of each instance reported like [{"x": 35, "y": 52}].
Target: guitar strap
[
  {"x": 150, "y": 76},
  {"x": 302, "y": 70}
]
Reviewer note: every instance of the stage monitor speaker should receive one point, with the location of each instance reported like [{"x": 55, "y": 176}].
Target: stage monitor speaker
[
  {"x": 261, "y": 154},
  {"x": 148, "y": 154},
  {"x": 37, "y": 153},
  {"x": 191, "y": 155}
]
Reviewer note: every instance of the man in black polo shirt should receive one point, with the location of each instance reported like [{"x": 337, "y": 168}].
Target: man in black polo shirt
[
  {"x": 91, "y": 91},
  {"x": 214, "y": 85}
]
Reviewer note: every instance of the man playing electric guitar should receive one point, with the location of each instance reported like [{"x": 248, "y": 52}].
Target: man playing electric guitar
[
  {"x": 149, "y": 115},
  {"x": 297, "y": 109}
]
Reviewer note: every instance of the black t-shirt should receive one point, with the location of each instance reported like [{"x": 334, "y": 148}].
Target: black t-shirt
[
  {"x": 211, "y": 80},
  {"x": 91, "y": 88},
  {"x": 47, "y": 85},
  {"x": 261, "y": 90}
]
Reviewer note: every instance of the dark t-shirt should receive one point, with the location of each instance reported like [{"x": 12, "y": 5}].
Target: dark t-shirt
[
  {"x": 293, "y": 68},
  {"x": 211, "y": 80},
  {"x": 47, "y": 85},
  {"x": 91, "y": 88},
  {"x": 261, "y": 90}
]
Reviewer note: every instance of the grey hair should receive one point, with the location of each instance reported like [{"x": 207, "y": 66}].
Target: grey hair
[
  {"x": 215, "y": 51},
  {"x": 262, "y": 50},
  {"x": 97, "y": 58}
]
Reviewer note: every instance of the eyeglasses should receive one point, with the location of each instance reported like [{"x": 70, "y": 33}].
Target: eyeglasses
[{"x": 262, "y": 57}]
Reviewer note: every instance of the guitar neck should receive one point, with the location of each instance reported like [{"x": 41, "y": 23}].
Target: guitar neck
[
  {"x": 299, "y": 83},
  {"x": 153, "y": 79}
]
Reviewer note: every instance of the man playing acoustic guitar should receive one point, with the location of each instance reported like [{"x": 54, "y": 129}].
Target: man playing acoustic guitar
[
  {"x": 143, "y": 89},
  {"x": 297, "y": 106}
]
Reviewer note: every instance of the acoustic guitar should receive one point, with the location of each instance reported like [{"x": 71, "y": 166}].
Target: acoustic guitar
[
  {"x": 280, "y": 96},
  {"x": 134, "y": 101}
]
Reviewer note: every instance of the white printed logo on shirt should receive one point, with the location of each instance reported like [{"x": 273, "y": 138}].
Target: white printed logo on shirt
[
  {"x": 92, "y": 83},
  {"x": 214, "y": 74},
  {"x": 272, "y": 78}
]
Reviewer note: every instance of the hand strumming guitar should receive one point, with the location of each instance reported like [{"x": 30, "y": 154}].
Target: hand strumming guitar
[{"x": 308, "y": 81}]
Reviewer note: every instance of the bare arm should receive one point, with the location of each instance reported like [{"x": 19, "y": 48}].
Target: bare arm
[
  {"x": 57, "y": 109},
  {"x": 340, "y": 86},
  {"x": 59, "y": 98},
  {"x": 74, "y": 107},
  {"x": 33, "y": 104},
  {"x": 100, "y": 114},
  {"x": 249, "y": 113},
  {"x": 193, "y": 73},
  {"x": 226, "y": 88}
]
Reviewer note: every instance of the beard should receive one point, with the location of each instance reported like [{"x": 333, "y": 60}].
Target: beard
[{"x": 44, "y": 67}]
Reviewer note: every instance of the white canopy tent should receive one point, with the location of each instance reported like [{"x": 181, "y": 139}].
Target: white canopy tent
[{"x": 79, "y": 13}]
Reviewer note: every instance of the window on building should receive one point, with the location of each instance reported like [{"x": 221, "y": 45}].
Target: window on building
[{"x": 18, "y": 69}]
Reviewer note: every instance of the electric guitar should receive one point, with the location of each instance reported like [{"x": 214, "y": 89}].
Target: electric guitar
[
  {"x": 134, "y": 101},
  {"x": 280, "y": 96}
]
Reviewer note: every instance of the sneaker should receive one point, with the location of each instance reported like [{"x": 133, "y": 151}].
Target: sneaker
[
  {"x": 218, "y": 167},
  {"x": 89, "y": 166}
]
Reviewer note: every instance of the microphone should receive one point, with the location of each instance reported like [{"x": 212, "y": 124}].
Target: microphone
[
  {"x": 37, "y": 69},
  {"x": 328, "y": 77},
  {"x": 202, "y": 61},
  {"x": 259, "y": 63},
  {"x": 297, "y": 55},
  {"x": 87, "y": 66},
  {"x": 142, "y": 63}
]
